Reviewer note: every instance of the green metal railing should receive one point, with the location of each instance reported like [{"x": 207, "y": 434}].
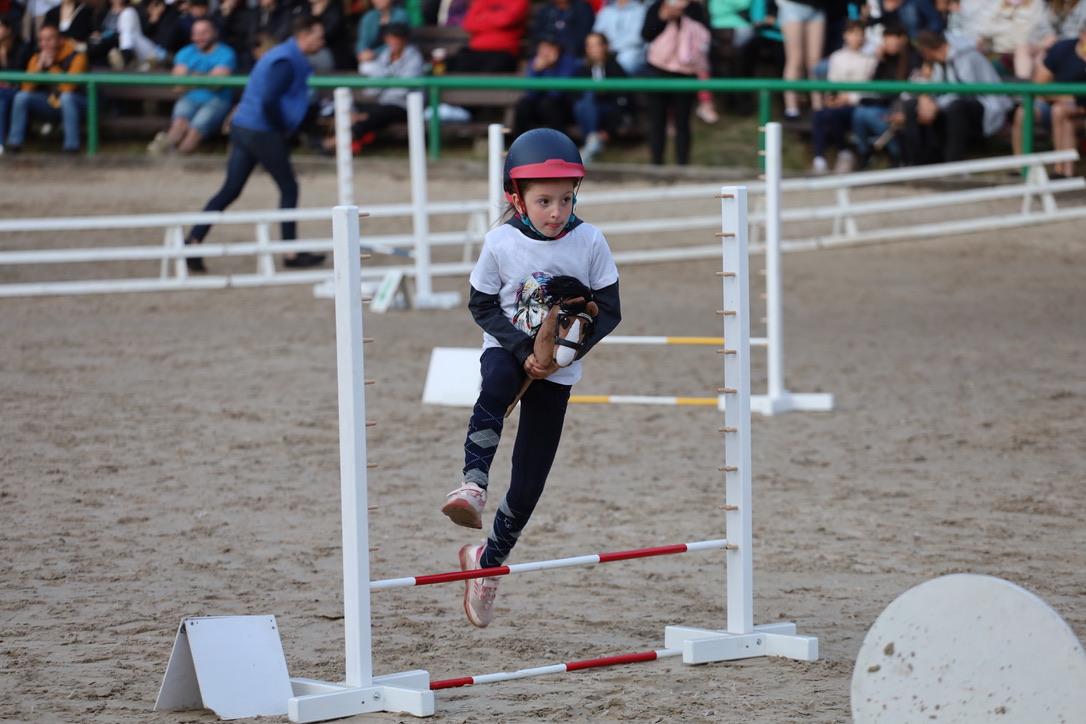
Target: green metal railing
[{"x": 434, "y": 85}]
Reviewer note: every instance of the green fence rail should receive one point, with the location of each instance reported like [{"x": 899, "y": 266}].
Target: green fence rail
[{"x": 764, "y": 88}]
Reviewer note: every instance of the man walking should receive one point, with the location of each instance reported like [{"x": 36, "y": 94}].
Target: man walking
[{"x": 272, "y": 107}]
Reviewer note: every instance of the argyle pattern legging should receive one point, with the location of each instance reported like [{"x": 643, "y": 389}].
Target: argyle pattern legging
[{"x": 542, "y": 414}]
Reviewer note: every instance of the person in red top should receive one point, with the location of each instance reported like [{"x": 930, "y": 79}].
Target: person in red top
[
  {"x": 60, "y": 102},
  {"x": 496, "y": 28}
]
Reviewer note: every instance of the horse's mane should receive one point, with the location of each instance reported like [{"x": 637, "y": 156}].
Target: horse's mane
[{"x": 568, "y": 292}]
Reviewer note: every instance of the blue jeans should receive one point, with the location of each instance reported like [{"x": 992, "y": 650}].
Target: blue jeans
[
  {"x": 247, "y": 149},
  {"x": 36, "y": 103},
  {"x": 7, "y": 95},
  {"x": 868, "y": 123},
  {"x": 830, "y": 125},
  {"x": 595, "y": 114}
]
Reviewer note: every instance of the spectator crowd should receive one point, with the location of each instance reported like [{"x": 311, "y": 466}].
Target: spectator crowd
[{"x": 919, "y": 41}]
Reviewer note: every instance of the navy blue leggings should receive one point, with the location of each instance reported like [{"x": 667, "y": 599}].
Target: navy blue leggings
[
  {"x": 247, "y": 149},
  {"x": 542, "y": 414}
]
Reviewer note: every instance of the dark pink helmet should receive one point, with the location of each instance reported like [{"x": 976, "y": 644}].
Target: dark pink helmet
[{"x": 541, "y": 153}]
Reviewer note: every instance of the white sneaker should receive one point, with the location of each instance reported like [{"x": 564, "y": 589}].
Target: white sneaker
[
  {"x": 819, "y": 166},
  {"x": 479, "y": 593},
  {"x": 592, "y": 147},
  {"x": 160, "y": 145},
  {"x": 116, "y": 59},
  {"x": 845, "y": 162},
  {"x": 707, "y": 113},
  {"x": 464, "y": 506}
]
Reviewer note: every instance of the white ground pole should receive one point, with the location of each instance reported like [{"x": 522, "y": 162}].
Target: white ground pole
[
  {"x": 778, "y": 399},
  {"x": 361, "y": 692},
  {"x": 424, "y": 297},
  {"x": 742, "y": 639},
  {"x": 343, "y": 104},
  {"x": 495, "y": 142}
]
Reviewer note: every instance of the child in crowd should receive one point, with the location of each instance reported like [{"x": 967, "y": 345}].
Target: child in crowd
[
  {"x": 871, "y": 126},
  {"x": 598, "y": 113},
  {"x": 540, "y": 240},
  {"x": 833, "y": 121}
]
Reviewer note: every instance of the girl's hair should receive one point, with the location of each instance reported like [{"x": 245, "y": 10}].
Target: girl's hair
[
  {"x": 855, "y": 25},
  {"x": 896, "y": 30},
  {"x": 601, "y": 36}
]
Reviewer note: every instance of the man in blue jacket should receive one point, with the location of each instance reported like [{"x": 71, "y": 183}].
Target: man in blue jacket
[{"x": 272, "y": 107}]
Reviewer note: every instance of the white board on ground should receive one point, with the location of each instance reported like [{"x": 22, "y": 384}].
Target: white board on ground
[
  {"x": 233, "y": 665},
  {"x": 453, "y": 378},
  {"x": 969, "y": 648}
]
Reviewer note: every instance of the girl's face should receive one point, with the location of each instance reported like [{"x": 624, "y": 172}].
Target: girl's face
[
  {"x": 596, "y": 49},
  {"x": 548, "y": 204},
  {"x": 854, "y": 38},
  {"x": 894, "y": 44}
]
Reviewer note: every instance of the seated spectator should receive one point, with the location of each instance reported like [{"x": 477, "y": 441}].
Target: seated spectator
[
  {"x": 871, "y": 127},
  {"x": 568, "y": 22},
  {"x": 598, "y": 113},
  {"x": 271, "y": 26},
  {"x": 677, "y": 34},
  {"x": 74, "y": 18},
  {"x": 384, "y": 106},
  {"x": 1065, "y": 62},
  {"x": 913, "y": 15},
  {"x": 12, "y": 57},
  {"x": 1061, "y": 20},
  {"x": 236, "y": 24},
  {"x": 337, "y": 53},
  {"x": 545, "y": 108},
  {"x": 161, "y": 25},
  {"x": 833, "y": 121},
  {"x": 451, "y": 13},
  {"x": 201, "y": 111},
  {"x": 496, "y": 28},
  {"x": 59, "y": 102},
  {"x": 1005, "y": 32},
  {"x": 371, "y": 31},
  {"x": 119, "y": 40},
  {"x": 939, "y": 127},
  {"x": 621, "y": 22}
]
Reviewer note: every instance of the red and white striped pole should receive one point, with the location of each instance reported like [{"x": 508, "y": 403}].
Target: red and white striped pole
[
  {"x": 555, "y": 669},
  {"x": 704, "y": 545}
]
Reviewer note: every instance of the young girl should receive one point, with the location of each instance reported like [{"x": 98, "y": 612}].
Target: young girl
[
  {"x": 541, "y": 239},
  {"x": 830, "y": 124}
]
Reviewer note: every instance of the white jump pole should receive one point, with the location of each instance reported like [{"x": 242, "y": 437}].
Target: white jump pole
[
  {"x": 742, "y": 639},
  {"x": 495, "y": 142},
  {"x": 343, "y": 103},
  {"x": 777, "y": 398},
  {"x": 416, "y": 144},
  {"x": 361, "y": 692},
  {"x": 424, "y": 297}
]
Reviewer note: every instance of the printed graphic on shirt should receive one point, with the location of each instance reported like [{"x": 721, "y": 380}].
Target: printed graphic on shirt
[
  {"x": 533, "y": 303},
  {"x": 538, "y": 292}
]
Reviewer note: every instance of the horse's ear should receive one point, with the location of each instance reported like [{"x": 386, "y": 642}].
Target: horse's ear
[{"x": 592, "y": 309}]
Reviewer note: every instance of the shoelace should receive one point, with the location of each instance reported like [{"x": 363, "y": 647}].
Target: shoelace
[{"x": 488, "y": 590}]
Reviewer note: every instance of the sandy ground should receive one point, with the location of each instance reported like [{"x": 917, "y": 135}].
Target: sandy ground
[{"x": 175, "y": 454}]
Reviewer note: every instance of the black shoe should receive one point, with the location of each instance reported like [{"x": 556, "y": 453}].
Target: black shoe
[
  {"x": 304, "y": 259},
  {"x": 194, "y": 263},
  {"x": 13, "y": 150}
]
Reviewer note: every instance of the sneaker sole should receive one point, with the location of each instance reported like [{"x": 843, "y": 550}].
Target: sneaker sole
[
  {"x": 461, "y": 513},
  {"x": 467, "y": 564}
]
